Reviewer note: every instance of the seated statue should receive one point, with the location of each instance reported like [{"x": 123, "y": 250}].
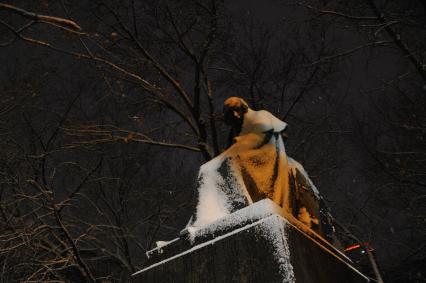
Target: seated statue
[{"x": 255, "y": 167}]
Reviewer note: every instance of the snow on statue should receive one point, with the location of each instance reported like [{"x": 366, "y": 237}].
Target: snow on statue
[{"x": 254, "y": 167}]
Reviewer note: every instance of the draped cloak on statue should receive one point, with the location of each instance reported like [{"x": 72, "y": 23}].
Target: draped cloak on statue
[{"x": 253, "y": 168}]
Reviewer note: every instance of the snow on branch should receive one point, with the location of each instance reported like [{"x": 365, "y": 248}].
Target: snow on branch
[{"x": 57, "y": 21}]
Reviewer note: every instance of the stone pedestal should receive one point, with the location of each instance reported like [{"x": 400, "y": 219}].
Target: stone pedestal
[{"x": 255, "y": 244}]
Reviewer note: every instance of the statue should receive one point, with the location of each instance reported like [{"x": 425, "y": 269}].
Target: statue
[
  {"x": 255, "y": 167},
  {"x": 236, "y": 233}
]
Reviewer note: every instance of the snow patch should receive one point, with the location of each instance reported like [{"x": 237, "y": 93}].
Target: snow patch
[
  {"x": 159, "y": 247},
  {"x": 251, "y": 213},
  {"x": 218, "y": 196},
  {"x": 272, "y": 227},
  {"x": 161, "y": 244},
  {"x": 212, "y": 203},
  {"x": 274, "y": 230},
  {"x": 260, "y": 122}
]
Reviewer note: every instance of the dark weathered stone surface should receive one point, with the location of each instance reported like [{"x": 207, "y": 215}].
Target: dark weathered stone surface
[
  {"x": 268, "y": 250},
  {"x": 314, "y": 263}
]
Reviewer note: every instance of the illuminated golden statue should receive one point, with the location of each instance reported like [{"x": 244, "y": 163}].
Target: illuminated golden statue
[{"x": 254, "y": 167}]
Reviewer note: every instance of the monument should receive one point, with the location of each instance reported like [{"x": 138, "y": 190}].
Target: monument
[{"x": 258, "y": 218}]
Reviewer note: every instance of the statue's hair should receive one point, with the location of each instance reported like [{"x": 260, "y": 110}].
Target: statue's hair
[{"x": 234, "y": 101}]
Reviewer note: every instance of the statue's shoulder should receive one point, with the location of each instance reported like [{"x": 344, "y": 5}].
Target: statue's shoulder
[{"x": 268, "y": 118}]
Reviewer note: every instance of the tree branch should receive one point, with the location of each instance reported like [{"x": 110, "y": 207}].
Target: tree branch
[
  {"x": 61, "y": 22},
  {"x": 419, "y": 65}
]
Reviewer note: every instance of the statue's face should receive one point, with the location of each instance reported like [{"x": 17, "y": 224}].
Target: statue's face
[{"x": 233, "y": 110}]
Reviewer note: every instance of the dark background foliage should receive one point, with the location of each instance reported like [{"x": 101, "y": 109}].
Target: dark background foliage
[{"x": 102, "y": 129}]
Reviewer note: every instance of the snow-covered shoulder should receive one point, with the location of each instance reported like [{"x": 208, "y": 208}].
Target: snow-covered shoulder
[{"x": 261, "y": 121}]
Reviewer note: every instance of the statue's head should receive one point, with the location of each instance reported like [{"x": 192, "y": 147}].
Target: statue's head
[{"x": 234, "y": 109}]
